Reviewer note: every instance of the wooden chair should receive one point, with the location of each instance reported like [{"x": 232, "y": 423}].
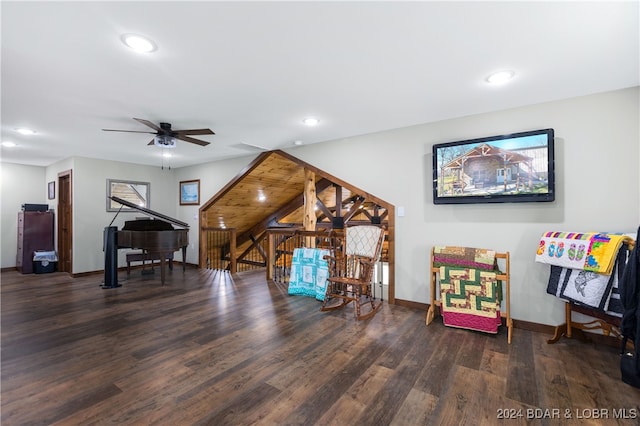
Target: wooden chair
[{"x": 351, "y": 270}]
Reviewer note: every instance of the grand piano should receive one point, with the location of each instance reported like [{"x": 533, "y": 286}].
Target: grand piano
[{"x": 155, "y": 236}]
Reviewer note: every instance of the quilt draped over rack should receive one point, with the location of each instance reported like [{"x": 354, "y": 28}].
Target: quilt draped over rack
[
  {"x": 585, "y": 267},
  {"x": 591, "y": 251},
  {"x": 470, "y": 293},
  {"x": 309, "y": 273}
]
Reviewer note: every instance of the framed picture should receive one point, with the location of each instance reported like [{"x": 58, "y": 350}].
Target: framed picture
[
  {"x": 137, "y": 193},
  {"x": 190, "y": 192},
  {"x": 51, "y": 194}
]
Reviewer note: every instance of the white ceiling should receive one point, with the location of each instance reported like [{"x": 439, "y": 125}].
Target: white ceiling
[{"x": 251, "y": 71}]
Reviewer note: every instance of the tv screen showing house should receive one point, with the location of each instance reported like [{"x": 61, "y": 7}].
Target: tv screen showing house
[{"x": 517, "y": 167}]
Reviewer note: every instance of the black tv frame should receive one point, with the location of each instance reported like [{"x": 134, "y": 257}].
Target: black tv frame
[{"x": 481, "y": 188}]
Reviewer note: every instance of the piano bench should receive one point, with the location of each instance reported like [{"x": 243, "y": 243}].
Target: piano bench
[{"x": 138, "y": 256}]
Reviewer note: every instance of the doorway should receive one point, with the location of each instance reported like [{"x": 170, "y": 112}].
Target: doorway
[{"x": 65, "y": 222}]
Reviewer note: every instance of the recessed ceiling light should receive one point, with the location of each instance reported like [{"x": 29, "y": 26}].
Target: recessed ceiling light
[
  {"x": 138, "y": 43},
  {"x": 25, "y": 131},
  {"x": 8, "y": 144},
  {"x": 500, "y": 77},
  {"x": 311, "y": 121},
  {"x": 297, "y": 143},
  {"x": 166, "y": 155}
]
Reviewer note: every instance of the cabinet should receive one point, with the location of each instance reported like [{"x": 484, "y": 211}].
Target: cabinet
[{"x": 35, "y": 233}]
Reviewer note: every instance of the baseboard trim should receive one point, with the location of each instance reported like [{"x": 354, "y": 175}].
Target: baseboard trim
[
  {"x": 124, "y": 269},
  {"x": 588, "y": 337},
  {"x": 412, "y": 305}
]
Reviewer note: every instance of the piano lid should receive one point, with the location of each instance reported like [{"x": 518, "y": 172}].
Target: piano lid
[{"x": 150, "y": 212}]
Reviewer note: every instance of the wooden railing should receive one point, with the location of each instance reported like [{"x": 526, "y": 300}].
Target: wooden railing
[
  {"x": 272, "y": 249},
  {"x": 282, "y": 242},
  {"x": 219, "y": 250}
]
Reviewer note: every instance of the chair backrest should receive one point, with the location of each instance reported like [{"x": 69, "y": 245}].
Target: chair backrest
[{"x": 364, "y": 240}]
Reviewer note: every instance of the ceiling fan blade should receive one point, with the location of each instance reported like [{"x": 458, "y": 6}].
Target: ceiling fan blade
[
  {"x": 192, "y": 140},
  {"x": 153, "y": 142},
  {"x": 128, "y": 131},
  {"x": 148, "y": 123},
  {"x": 194, "y": 132}
]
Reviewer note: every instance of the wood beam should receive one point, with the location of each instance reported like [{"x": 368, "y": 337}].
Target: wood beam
[
  {"x": 287, "y": 209},
  {"x": 309, "y": 218},
  {"x": 310, "y": 199},
  {"x": 324, "y": 209}
]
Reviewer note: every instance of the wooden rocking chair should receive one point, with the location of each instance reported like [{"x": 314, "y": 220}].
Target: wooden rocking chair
[{"x": 351, "y": 271}]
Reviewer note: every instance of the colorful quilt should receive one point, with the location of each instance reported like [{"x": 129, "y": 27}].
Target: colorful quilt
[
  {"x": 593, "y": 252},
  {"x": 309, "y": 273},
  {"x": 464, "y": 257},
  {"x": 470, "y": 298}
]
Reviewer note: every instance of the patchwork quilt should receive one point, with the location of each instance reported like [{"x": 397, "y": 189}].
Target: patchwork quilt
[
  {"x": 464, "y": 257},
  {"x": 309, "y": 273},
  {"x": 470, "y": 298},
  {"x": 593, "y": 252}
]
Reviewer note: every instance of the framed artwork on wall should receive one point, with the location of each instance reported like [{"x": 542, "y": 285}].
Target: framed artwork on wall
[
  {"x": 190, "y": 192},
  {"x": 51, "y": 194},
  {"x": 137, "y": 193}
]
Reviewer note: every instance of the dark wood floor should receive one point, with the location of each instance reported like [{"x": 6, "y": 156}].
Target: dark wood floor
[{"x": 208, "y": 349}]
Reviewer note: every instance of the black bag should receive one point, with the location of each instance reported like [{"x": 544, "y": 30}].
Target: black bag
[
  {"x": 629, "y": 368},
  {"x": 630, "y": 323}
]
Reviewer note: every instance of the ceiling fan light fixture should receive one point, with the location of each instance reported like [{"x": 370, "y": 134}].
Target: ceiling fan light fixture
[
  {"x": 138, "y": 43},
  {"x": 164, "y": 141}
]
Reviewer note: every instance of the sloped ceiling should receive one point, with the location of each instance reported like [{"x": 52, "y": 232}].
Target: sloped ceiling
[{"x": 279, "y": 178}]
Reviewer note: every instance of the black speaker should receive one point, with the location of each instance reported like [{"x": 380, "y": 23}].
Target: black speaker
[
  {"x": 110, "y": 247},
  {"x": 337, "y": 222}
]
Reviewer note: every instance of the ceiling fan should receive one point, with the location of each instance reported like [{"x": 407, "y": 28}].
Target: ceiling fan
[{"x": 165, "y": 136}]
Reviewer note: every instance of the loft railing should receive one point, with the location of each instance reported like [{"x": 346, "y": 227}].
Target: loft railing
[
  {"x": 282, "y": 242},
  {"x": 272, "y": 249},
  {"x": 220, "y": 251}
]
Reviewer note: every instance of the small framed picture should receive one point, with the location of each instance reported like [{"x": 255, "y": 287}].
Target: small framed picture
[
  {"x": 51, "y": 194},
  {"x": 190, "y": 192}
]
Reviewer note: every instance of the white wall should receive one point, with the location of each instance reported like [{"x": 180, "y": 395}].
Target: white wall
[
  {"x": 89, "y": 205},
  {"x": 19, "y": 185},
  {"x": 213, "y": 177},
  {"x": 597, "y": 184}
]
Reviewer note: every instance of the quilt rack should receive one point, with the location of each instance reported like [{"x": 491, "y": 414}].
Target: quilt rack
[
  {"x": 607, "y": 324},
  {"x": 503, "y": 276}
]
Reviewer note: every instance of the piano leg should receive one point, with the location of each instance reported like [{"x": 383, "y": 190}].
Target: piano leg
[
  {"x": 163, "y": 260},
  {"x": 184, "y": 258}
]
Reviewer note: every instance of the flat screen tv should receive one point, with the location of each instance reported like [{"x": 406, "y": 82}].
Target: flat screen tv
[{"x": 512, "y": 168}]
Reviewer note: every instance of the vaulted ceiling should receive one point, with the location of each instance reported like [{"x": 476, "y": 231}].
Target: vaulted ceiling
[
  {"x": 252, "y": 71},
  {"x": 270, "y": 193}
]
